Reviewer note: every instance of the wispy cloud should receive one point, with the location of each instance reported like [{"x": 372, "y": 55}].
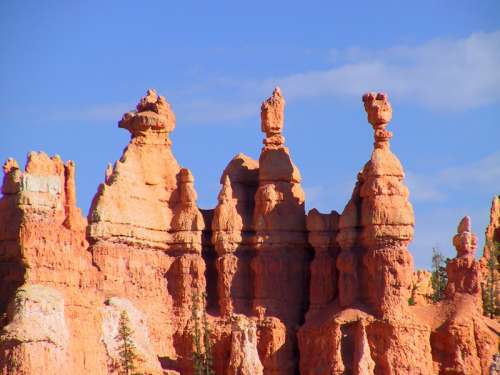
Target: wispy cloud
[
  {"x": 483, "y": 175},
  {"x": 440, "y": 74},
  {"x": 422, "y": 188}
]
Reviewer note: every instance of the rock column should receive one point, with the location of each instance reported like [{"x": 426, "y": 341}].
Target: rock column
[
  {"x": 280, "y": 267},
  {"x": 386, "y": 218}
]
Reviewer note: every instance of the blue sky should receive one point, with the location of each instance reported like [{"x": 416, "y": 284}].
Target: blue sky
[{"x": 70, "y": 69}]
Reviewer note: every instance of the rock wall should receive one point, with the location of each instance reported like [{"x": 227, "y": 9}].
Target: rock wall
[{"x": 286, "y": 292}]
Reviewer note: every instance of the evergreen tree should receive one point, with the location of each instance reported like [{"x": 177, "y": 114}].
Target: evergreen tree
[
  {"x": 490, "y": 307},
  {"x": 439, "y": 277},
  {"x": 207, "y": 343},
  {"x": 202, "y": 354},
  {"x": 127, "y": 349},
  {"x": 198, "y": 357}
]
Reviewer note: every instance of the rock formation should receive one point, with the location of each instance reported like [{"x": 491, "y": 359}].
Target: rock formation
[
  {"x": 244, "y": 358},
  {"x": 464, "y": 342},
  {"x": 286, "y": 292},
  {"x": 280, "y": 266},
  {"x": 421, "y": 290},
  {"x": 490, "y": 264},
  {"x": 492, "y": 233}
]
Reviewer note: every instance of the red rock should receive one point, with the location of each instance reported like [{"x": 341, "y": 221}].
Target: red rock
[
  {"x": 244, "y": 358},
  {"x": 274, "y": 306},
  {"x": 421, "y": 287},
  {"x": 322, "y": 230}
]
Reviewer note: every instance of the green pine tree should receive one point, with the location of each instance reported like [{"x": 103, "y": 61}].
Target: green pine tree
[
  {"x": 202, "y": 353},
  {"x": 127, "y": 349},
  {"x": 439, "y": 277},
  {"x": 198, "y": 357},
  {"x": 490, "y": 306},
  {"x": 207, "y": 342}
]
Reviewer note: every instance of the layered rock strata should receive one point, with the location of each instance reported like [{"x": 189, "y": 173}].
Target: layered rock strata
[
  {"x": 47, "y": 281},
  {"x": 286, "y": 292},
  {"x": 280, "y": 266},
  {"x": 145, "y": 231},
  {"x": 464, "y": 343},
  {"x": 370, "y": 327}
]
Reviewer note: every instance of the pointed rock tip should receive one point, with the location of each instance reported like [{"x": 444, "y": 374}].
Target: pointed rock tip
[
  {"x": 185, "y": 175},
  {"x": 465, "y": 225}
]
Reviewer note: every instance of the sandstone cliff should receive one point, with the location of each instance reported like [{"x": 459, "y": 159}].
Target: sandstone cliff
[{"x": 287, "y": 292}]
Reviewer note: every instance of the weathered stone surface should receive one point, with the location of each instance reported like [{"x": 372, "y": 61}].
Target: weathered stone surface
[
  {"x": 322, "y": 230},
  {"x": 370, "y": 328},
  {"x": 136, "y": 203},
  {"x": 286, "y": 292},
  {"x": 492, "y": 233},
  {"x": 147, "y": 361},
  {"x": 244, "y": 359},
  {"x": 280, "y": 266},
  {"x": 421, "y": 289},
  {"x": 36, "y": 338}
]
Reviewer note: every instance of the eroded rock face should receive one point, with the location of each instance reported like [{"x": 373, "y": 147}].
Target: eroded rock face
[
  {"x": 464, "y": 343},
  {"x": 421, "y": 290},
  {"x": 244, "y": 359},
  {"x": 280, "y": 266},
  {"x": 36, "y": 338},
  {"x": 492, "y": 233},
  {"x": 147, "y": 361},
  {"x": 322, "y": 230},
  {"x": 370, "y": 327},
  {"x": 492, "y": 247},
  {"x": 286, "y": 292},
  {"x": 136, "y": 203}
]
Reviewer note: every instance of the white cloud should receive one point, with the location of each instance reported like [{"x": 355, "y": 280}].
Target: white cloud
[
  {"x": 422, "y": 188},
  {"x": 441, "y": 74},
  {"x": 482, "y": 175},
  {"x": 477, "y": 174}
]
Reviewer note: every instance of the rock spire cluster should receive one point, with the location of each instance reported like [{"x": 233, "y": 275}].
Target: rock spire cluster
[{"x": 286, "y": 292}]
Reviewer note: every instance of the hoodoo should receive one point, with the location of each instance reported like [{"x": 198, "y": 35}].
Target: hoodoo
[{"x": 286, "y": 292}]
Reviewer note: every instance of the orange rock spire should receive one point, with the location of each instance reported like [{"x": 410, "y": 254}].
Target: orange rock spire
[
  {"x": 272, "y": 305},
  {"x": 273, "y": 119},
  {"x": 379, "y": 112}
]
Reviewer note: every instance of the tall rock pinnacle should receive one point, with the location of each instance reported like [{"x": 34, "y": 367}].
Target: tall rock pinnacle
[
  {"x": 280, "y": 231},
  {"x": 377, "y": 224},
  {"x": 387, "y": 215},
  {"x": 272, "y": 117},
  {"x": 136, "y": 202}
]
